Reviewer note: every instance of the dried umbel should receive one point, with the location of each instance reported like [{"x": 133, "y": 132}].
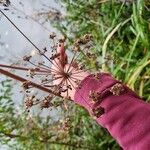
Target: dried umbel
[
  {"x": 46, "y": 102},
  {"x": 47, "y": 71},
  {"x": 5, "y": 3},
  {"x": 96, "y": 76},
  {"x": 44, "y": 74},
  {"x": 83, "y": 40},
  {"x": 97, "y": 112},
  {"x": 94, "y": 96},
  {"x": 117, "y": 89},
  {"x": 29, "y": 102}
]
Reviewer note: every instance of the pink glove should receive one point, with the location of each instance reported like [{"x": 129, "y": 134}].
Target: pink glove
[{"x": 120, "y": 110}]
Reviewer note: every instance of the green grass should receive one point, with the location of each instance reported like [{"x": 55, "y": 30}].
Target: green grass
[{"x": 122, "y": 32}]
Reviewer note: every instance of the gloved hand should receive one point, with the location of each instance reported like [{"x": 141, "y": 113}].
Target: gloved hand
[
  {"x": 112, "y": 104},
  {"x": 66, "y": 73}
]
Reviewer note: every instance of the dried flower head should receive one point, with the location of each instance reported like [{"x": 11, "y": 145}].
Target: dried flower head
[
  {"x": 5, "y": 3},
  {"x": 29, "y": 102},
  {"x": 52, "y": 35},
  {"x": 27, "y": 58},
  {"x": 94, "y": 96},
  {"x": 96, "y": 76},
  {"x": 97, "y": 112},
  {"x": 117, "y": 89},
  {"x": 47, "y": 71},
  {"x": 26, "y": 85}
]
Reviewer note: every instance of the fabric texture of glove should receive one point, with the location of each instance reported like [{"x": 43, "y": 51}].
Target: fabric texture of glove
[{"x": 126, "y": 116}]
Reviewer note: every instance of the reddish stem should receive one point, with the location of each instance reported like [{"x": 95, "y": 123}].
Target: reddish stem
[
  {"x": 20, "y": 68},
  {"x": 16, "y": 77}
]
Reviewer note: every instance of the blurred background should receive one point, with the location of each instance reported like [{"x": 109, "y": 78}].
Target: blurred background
[{"x": 121, "y": 35}]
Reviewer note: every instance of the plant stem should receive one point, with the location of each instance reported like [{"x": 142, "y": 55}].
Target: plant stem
[
  {"x": 16, "y": 77},
  {"x": 20, "y": 68}
]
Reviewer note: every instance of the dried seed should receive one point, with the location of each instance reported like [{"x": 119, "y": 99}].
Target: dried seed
[
  {"x": 27, "y": 58},
  {"x": 76, "y": 48},
  {"x": 78, "y": 83},
  {"x": 62, "y": 40},
  {"x": 43, "y": 52},
  {"x": 90, "y": 55},
  {"x": 52, "y": 35},
  {"x": 29, "y": 102},
  {"x": 97, "y": 112},
  {"x": 54, "y": 56},
  {"x": 46, "y": 103},
  {"x": 81, "y": 67},
  {"x": 5, "y": 3},
  {"x": 26, "y": 84},
  {"x": 96, "y": 76},
  {"x": 32, "y": 73},
  {"x": 94, "y": 96},
  {"x": 88, "y": 36},
  {"x": 78, "y": 42},
  {"x": 117, "y": 89},
  {"x": 69, "y": 87}
]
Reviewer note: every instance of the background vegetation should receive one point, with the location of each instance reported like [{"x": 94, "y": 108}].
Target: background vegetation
[{"x": 121, "y": 32}]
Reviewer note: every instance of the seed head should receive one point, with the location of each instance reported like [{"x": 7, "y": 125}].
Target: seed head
[
  {"x": 117, "y": 89},
  {"x": 52, "y": 35},
  {"x": 26, "y": 85},
  {"x": 46, "y": 102},
  {"x": 97, "y": 112},
  {"x": 96, "y": 76},
  {"x": 27, "y": 58},
  {"x": 94, "y": 96},
  {"x": 29, "y": 102}
]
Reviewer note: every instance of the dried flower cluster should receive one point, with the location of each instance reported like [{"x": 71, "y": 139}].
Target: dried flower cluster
[
  {"x": 43, "y": 74},
  {"x": 5, "y": 3},
  {"x": 94, "y": 96},
  {"x": 84, "y": 42},
  {"x": 48, "y": 70},
  {"x": 97, "y": 112},
  {"x": 117, "y": 89}
]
